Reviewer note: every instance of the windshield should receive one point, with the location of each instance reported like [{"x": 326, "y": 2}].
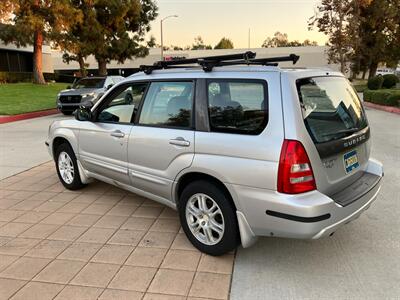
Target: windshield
[
  {"x": 89, "y": 83},
  {"x": 331, "y": 108}
]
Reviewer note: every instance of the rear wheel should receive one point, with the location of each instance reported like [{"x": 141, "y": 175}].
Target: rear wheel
[
  {"x": 67, "y": 167},
  {"x": 208, "y": 218}
]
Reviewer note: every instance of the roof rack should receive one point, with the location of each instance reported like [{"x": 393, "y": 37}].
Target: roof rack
[{"x": 209, "y": 62}]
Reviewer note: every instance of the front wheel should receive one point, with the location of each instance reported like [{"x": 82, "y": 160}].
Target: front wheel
[
  {"x": 208, "y": 218},
  {"x": 67, "y": 167}
]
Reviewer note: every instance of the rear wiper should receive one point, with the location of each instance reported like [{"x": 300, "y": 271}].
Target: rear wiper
[{"x": 349, "y": 130}]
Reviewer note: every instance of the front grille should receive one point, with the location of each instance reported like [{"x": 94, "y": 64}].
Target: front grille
[{"x": 70, "y": 99}]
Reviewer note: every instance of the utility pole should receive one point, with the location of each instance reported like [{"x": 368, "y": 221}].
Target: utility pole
[{"x": 162, "y": 38}]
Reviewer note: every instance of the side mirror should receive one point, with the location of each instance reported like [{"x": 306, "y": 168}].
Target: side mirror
[
  {"x": 109, "y": 86},
  {"x": 83, "y": 113},
  {"x": 68, "y": 87}
]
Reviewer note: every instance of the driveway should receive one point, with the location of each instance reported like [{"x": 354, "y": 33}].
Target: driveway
[
  {"x": 97, "y": 243},
  {"x": 362, "y": 259},
  {"x": 22, "y": 144}
]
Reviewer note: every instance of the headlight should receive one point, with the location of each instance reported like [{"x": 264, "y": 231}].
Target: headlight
[
  {"x": 88, "y": 95},
  {"x": 58, "y": 96}
]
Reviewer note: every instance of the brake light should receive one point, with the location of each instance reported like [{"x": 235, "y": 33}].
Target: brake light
[{"x": 295, "y": 174}]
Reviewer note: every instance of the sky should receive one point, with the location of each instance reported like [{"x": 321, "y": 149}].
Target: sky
[{"x": 214, "y": 19}]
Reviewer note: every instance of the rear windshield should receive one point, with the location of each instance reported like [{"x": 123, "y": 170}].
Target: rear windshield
[{"x": 331, "y": 108}]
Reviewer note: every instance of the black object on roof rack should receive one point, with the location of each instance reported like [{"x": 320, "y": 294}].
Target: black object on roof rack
[{"x": 209, "y": 62}]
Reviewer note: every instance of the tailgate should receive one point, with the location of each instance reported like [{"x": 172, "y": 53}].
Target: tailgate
[{"x": 336, "y": 122}]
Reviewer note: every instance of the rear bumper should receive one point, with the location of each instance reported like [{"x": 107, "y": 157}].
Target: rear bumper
[{"x": 310, "y": 215}]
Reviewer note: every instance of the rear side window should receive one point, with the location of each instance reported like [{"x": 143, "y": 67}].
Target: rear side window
[
  {"x": 168, "y": 104},
  {"x": 237, "y": 106},
  {"x": 331, "y": 109}
]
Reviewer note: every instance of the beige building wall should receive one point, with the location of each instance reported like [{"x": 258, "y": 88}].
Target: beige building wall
[{"x": 310, "y": 57}]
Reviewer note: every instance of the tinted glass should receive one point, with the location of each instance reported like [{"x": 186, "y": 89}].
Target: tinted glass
[
  {"x": 168, "y": 104},
  {"x": 89, "y": 83},
  {"x": 123, "y": 106},
  {"x": 331, "y": 108},
  {"x": 237, "y": 106}
]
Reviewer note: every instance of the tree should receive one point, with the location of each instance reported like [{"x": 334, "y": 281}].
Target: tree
[
  {"x": 113, "y": 30},
  {"x": 282, "y": 40},
  {"x": 151, "y": 42},
  {"x": 279, "y": 40},
  {"x": 199, "y": 44},
  {"x": 77, "y": 41},
  {"x": 379, "y": 31},
  {"x": 224, "y": 43},
  {"x": 33, "y": 22},
  {"x": 333, "y": 18},
  {"x": 6, "y": 9}
]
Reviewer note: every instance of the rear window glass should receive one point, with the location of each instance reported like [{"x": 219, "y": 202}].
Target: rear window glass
[
  {"x": 331, "y": 108},
  {"x": 237, "y": 106}
]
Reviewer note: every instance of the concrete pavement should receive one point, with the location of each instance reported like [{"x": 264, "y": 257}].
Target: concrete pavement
[
  {"x": 22, "y": 144},
  {"x": 362, "y": 259}
]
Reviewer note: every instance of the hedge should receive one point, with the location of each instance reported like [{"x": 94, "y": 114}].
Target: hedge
[
  {"x": 389, "y": 81},
  {"x": 14, "y": 77},
  {"x": 375, "y": 83},
  {"x": 389, "y": 97}
]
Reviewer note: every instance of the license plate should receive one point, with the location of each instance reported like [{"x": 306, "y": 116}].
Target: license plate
[{"x": 350, "y": 161}]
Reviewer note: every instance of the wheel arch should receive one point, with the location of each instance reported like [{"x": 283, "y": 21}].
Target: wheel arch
[
  {"x": 192, "y": 176},
  {"x": 64, "y": 135}
]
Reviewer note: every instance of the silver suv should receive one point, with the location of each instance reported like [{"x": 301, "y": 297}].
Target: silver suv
[
  {"x": 240, "y": 151},
  {"x": 84, "y": 90}
]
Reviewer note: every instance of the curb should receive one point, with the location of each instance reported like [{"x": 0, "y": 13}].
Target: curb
[
  {"x": 30, "y": 115},
  {"x": 390, "y": 109}
]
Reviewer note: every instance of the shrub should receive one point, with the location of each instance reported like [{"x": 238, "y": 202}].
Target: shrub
[
  {"x": 14, "y": 77},
  {"x": 389, "y": 81},
  {"x": 375, "y": 83},
  {"x": 389, "y": 97}
]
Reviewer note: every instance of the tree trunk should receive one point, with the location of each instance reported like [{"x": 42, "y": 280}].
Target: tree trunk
[
  {"x": 82, "y": 68},
  {"x": 372, "y": 69},
  {"x": 37, "y": 58},
  {"x": 102, "y": 66},
  {"x": 364, "y": 73}
]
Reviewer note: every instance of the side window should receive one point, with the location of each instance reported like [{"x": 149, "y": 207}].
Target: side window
[
  {"x": 168, "y": 104},
  {"x": 237, "y": 106},
  {"x": 123, "y": 106}
]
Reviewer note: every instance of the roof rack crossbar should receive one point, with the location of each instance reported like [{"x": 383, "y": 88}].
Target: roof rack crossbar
[{"x": 208, "y": 63}]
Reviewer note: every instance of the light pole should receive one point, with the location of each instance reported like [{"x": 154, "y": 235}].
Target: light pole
[{"x": 162, "y": 41}]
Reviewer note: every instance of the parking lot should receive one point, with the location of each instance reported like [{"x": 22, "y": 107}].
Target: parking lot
[
  {"x": 105, "y": 243},
  {"x": 360, "y": 261}
]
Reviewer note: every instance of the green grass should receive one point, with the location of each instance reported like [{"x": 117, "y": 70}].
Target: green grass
[
  {"x": 17, "y": 98},
  {"x": 360, "y": 85}
]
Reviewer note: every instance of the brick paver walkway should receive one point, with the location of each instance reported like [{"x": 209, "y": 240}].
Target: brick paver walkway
[{"x": 97, "y": 243}]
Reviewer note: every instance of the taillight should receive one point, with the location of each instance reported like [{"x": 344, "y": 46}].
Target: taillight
[{"x": 295, "y": 174}]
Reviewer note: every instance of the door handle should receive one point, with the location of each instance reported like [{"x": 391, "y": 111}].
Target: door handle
[
  {"x": 179, "y": 141},
  {"x": 117, "y": 134}
]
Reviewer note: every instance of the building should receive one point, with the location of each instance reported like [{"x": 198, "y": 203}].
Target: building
[
  {"x": 20, "y": 60},
  {"x": 310, "y": 57}
]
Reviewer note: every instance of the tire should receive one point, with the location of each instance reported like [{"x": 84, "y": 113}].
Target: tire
[
  {"x": 203, "y": 235},
  {"x": 67, "y": 112},
  {"x": 65, "y": 158}
]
